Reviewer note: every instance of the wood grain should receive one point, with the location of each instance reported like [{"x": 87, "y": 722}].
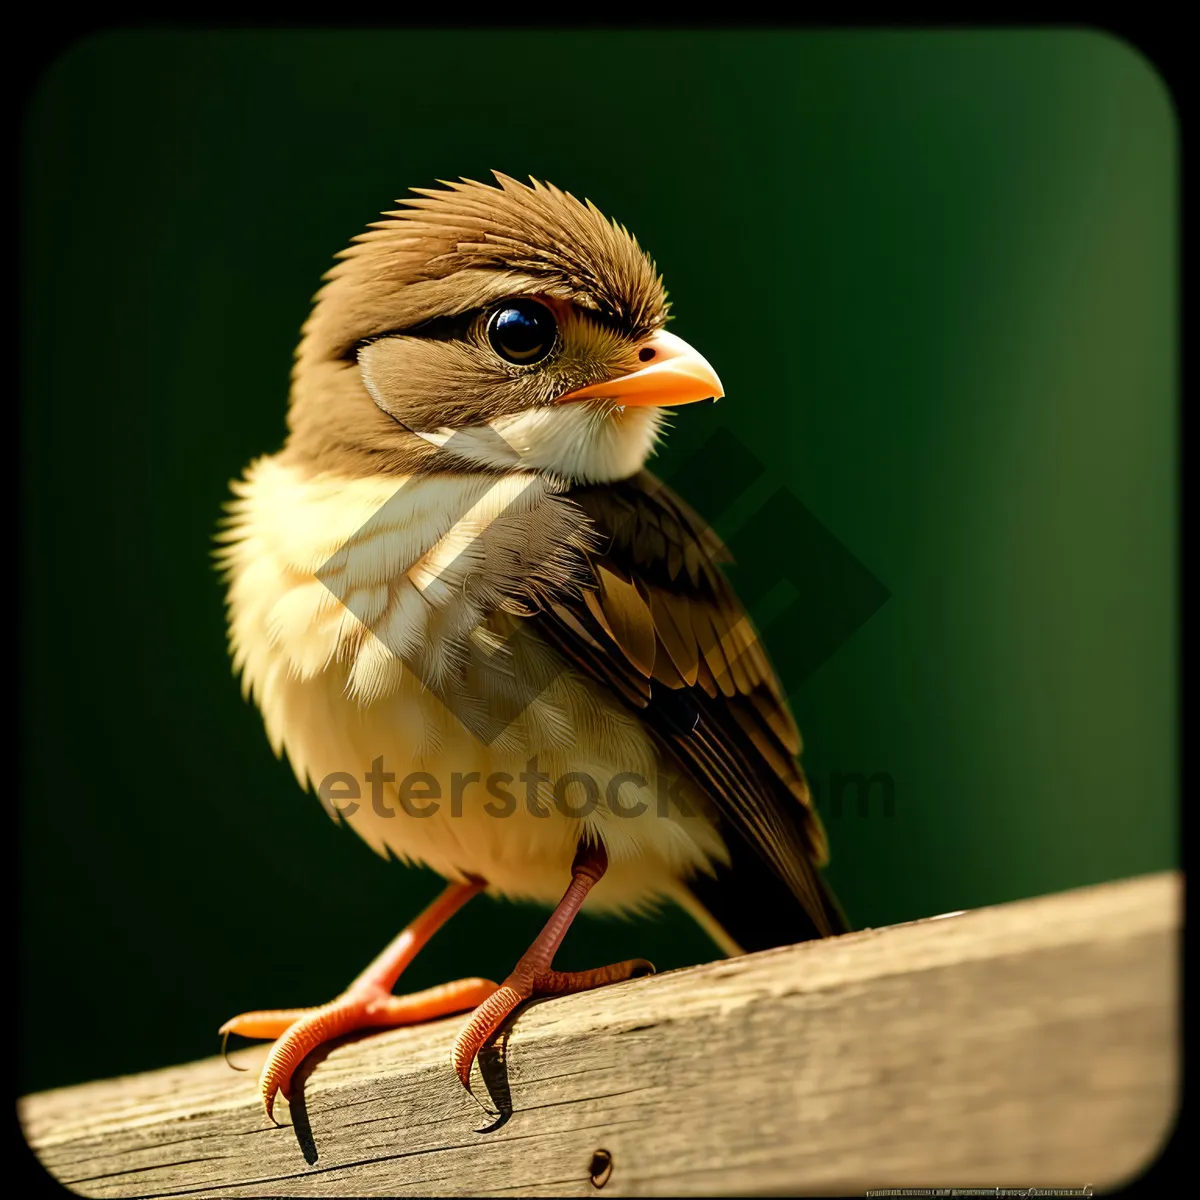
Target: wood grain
[{"x": 1030, "y": 1044}]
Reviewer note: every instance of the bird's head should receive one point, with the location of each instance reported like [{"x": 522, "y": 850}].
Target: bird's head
[{"x": 507, "y": 327}]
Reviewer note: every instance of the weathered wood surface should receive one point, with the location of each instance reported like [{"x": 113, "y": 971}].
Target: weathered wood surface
[{"x": 1031, "y": 1044}]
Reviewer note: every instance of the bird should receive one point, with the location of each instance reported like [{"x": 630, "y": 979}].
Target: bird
[{"x": 458, "y": 581}]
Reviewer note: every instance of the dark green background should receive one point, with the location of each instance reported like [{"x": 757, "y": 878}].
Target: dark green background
[{"x": 936, "y": 274}]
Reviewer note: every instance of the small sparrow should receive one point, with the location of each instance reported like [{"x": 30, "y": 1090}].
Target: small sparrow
[{"x": 484, "y": 633}]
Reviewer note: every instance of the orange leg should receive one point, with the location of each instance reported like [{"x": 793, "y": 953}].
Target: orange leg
[
  {"x": 534, "y": 974},
  {"x": 367, "y": 1003}
]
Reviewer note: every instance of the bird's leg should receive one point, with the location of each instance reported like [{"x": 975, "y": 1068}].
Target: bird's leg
[
  {"x": 367, "y": 1003},
  {"x": 534, "y": 974}
]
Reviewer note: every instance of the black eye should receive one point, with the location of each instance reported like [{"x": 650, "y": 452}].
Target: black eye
[{"x": 522, "y": 331}]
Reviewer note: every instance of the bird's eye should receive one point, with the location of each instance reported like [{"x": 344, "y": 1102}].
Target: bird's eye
[{"x": 522, "y": 331}]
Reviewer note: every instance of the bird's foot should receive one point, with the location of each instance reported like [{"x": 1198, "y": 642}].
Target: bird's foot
[
  {"x": 527, "y": 981},
  {"x": 367, "y": 1003},
  {"x": 534, "y": 975},
  {"x": 362, "y": 1006}
]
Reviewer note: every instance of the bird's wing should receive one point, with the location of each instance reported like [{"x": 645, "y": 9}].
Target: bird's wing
[{"x": 663, "y": 629}]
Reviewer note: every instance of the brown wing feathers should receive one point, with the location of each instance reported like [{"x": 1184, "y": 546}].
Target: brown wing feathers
[{"x": 689, "y": 661}]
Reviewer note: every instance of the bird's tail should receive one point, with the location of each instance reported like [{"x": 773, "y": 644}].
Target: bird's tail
[{"x": 749, "y": 909}]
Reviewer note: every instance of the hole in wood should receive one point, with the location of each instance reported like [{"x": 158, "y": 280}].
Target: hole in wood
[{"x": 601, "y": 1168}]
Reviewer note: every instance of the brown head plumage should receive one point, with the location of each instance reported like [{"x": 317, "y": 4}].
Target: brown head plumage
[{"x": 397, "y": 343}]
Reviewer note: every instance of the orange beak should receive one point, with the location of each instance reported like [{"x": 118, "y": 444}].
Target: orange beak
[{"x": 674, "y": 374}]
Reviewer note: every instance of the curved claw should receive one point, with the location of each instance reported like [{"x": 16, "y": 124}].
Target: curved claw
[
  {"x": 225, "y": 1051},
  {"x": 485, "y": 1020},
  {"x": 320, "y": 1025}
]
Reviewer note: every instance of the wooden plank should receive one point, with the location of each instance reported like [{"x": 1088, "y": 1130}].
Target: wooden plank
[{"x": 1030, "y": 1044}]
